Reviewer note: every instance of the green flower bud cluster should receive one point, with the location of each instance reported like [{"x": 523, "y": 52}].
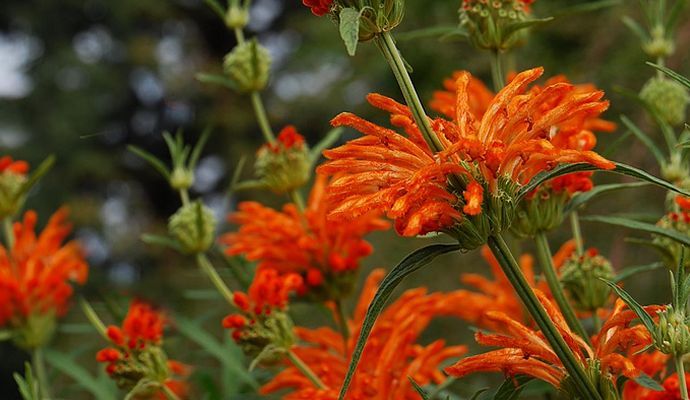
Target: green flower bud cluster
[
  {"x": 672, "y": 334},
  {"x": 494, "y": 24},
  {"x": 671, "y": 249},
  {"x": 540, "y": 212},
  {"x": 149, "y": 364},
  {"x": 268, "y": 339},
  {"x": 247, "y": 66},
  {"x": 581, "y": 277},
  {"x": 193, "y": 227},
  {"x": 667, "y": 98},
  {"x": 281, "y": 168},
  {"x": 658, "y": 45}
]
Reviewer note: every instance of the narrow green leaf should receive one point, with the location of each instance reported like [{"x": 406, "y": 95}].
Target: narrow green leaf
[
  {"x": 478, "y": 393},
  {"x": 512, "y": 387},
  {"x": 196, "y": 153},
  {"x": 216, "y": 80},
  {"x": 5, "y": 334},
  {"x": 69, "y": 367},
  {"x": 674, "y": 16},
  {"x": 645, "y": 139},
  {"x": 644, "y": 317},
  {"x": 331, "y": 137},
  {"x": 349, "y": 28},
  {"x": 414, "y": 261},
  {"x": 614, "y": 146},
  {"x": 37, "y": 174},
  {"x": 518, "y": 26},
  {"x": 640, "y": 226},
  {"x": 584, "y": 197},
  {"x": 638, "y": 30},
  {"x": 673, "y": 74},
  {"x": 424, "y": 395},
  {"x": 216, "y": 7},
  {"x": 160, "y": 240},
  {"x": 631, "y": 271},
  {"x": 28, "y": 386},
  {"x": 645, "y": 380},
  {"x": 151, "y": 159},
  {"x": 620, "y": 168}
]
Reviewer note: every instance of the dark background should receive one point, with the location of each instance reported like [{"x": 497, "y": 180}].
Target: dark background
[{"x": 82, "y": 79}]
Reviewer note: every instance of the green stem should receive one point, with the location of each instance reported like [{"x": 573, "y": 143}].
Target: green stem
[
  {"x": 390, "y": 51},
  {"x": 296, "y": 198},
  {"x": 550, "y": 332},
  {"x": 577, "y": 232},
  {"x": 680, "y": 370},
  {"x": 208, "y": 269},
  {"x": 342, "y": 324},
  {"x": 497, "y": 70},
  {"x": 93, "y": 318},
  {"x": 546, "y": 261},
  {"x": 596, "y": 321},
  {"x": 184, "y": 196},
  {"x": 9, "y": 233},
  {"x": 39, "y": 366},
  {"x": 305, "y": 370},
  {"x": 169, "y": 393}
]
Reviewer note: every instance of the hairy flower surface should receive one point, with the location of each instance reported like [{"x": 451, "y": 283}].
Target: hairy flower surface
[
  {"x": 36, "y": 277},
  {"x": 291, "y": 241},
  {"x": 525, "y": 351},
  {"x": 136, "y": 354},
  {"x": 389, "y": 358},
  {"x": 424, "y": 192}
]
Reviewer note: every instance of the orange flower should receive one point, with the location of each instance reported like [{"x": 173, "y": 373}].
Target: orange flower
[
  {"x": 390, "y": 356},
  {"x": 36, "y": 274},
  {"x": 19, "y": 167},
  {"x": 301, "y": 242},
  {"x": 424, "y": 192},
  {"x": 653, "y": 364},
  {"x": 525, "y": 351},
  {"x": 137, "y": 354},
  {"x": 319, "y": 7},
  {"x": 671, "y": 390}
]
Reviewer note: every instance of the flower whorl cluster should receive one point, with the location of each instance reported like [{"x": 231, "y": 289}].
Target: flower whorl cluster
[
  {"x": 672, "y": 335},
  {"x": 248, "y": 66},
  {"x": 36, "y": 278},
  {"x": 678, "y": 221},
  {"x": 667, "y": 98},
  {"x": 12, "y": 179},
  {"x": 581, "y": 276},
  {"x": 491, "y": 23},
  {"x": 137, "y": 359},
  {"x": 375, "y": 16},
  {"x": 193, "y": 227},
  {"x": 262, "y": 328},
  {"x": 285, "y": 165}
]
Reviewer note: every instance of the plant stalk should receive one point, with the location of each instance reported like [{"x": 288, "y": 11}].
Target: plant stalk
[
  {"x": 93, "y": 318},
  {"x": 512, "y": 271},
  {"x": 549, "y": 270},
  {"x": 9, "y": 233},
  {"x": 342, "y": 324},
  {"x": 169, "y": 393},
  {"x": 497, "y": 74},
  {"x": 680, "y": 370},
  {"x": 305, "y": 370},
  {"x": 577, "y": 232},
  {"x": 390, "y": 51},
  {"x": 208, "y": 269},
  {"x": 39, "y": 366}
]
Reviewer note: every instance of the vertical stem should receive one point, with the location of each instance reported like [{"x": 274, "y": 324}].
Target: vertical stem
[
  {"x": 577, "y": 232},
  {"x": 9, "y": 233},
  {"x": 208, "y": 269},
  {"x": 680, "y": 370},
  {"x": 184, "y": 196},
  {"x": 93, "y": 318},
  {"x": 546, "y": 261},
  {"x": 296, "y": 198},
  {"x": 39, "y": 367},
  {"x": 550, "y": 332},
  {"x": 596, "y": 321},
  {"x": 305, "y": 370},
  {"x": 169, "y": 393},
  {"x": 497, "y": 70},
  {"x": 342, "y": 324},
  {"x": 390, "y": 51}
]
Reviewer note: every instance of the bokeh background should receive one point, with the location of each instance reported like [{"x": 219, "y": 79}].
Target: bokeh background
[{"x": 82, "y": 79}]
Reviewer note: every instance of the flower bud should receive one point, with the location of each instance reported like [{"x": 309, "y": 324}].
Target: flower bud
[
  {"x": 659, "y": 46},
  {"x": 150, "y": 363},
  {"x": 266, "y": 339},
  {"x": 181, "y": 178},
  {"x": 12, "y": 180},
  {"x": 667, "y": 98},
  {"x": 581, "y": 277},
  {"x": 284, "y": 165},
  {"x": 193, "y": 226},
  {"x": 672, "y": 334},
  {"x": 247, "y": 66},
  {"x": 491, "y": 24},
  {"x": 541, "y": 211},
  {"x": 380, "y": 16},
  {"x": 236, "y": 17}
]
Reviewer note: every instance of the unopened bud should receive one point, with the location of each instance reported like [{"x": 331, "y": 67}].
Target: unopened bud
[
  {"x": 491, "y": 23},
  {"x": 247, "y": 66},
  {"x": 659, "y": 46},
  {"x": 541, "y": 211},
  {"x": 285, "y": 165},
  {"x": 581, "y": 277},
  {"x": 267, "y": 339},
  {"x": 181, "y": 178},
  {"x": 236, "y": 17},
  {"x": 667, "y": 98},
  {"x": 193, "y": 226},
  {"x": 672, "y": 335}
]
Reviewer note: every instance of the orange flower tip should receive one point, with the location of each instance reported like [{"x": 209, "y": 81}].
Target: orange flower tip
[
  {"x": 241, "y": 300},
  {"x": 108, "y": 355},
  {"x": 474, "y": 196},
  {"x": 290, "y": 138},
  {"x": 683, "y": 202},
  {"x": 115, "y": 335},
  {"x": 234, "y": 321},
  {"x": 314, "y": 277}
]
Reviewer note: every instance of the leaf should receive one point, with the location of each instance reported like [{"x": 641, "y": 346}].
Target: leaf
[
  {"x": 620, "y": 168},
  {"x": 584, "y": 197},
  {"x": 517, "y": 26},
  {"x": 478, "y": 393},
  {"x": 349, "y": 28},
  {"x": 409, "y": 264},
  {"x": 196, "y": 153},
  {"x": 645, "y": 139},
  {"x": 673, "y": 74},
  {"x": 83, "y": 377},
  {"x": 630, "y": 271},
  {"x": 674, "y": 16},
  {"x": 151, "y": 159},
  {"x": 640, "y": 226},
  {"x": 635, "y": 28},
  {"x": 216, "y": 80},
  {"x": 643, "y": 315},
  {"x": 512, "y": 387},
  {"x": 331, "y": 137},
  {"x": 161, "y": 240},
  {"x": 28, "y": 386},
  {"x": 419, "y": 389},
  {"x": 37, "y": 174},
  {"x": 645, "y": 380},
  {"x": 203, "y": 339}
]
